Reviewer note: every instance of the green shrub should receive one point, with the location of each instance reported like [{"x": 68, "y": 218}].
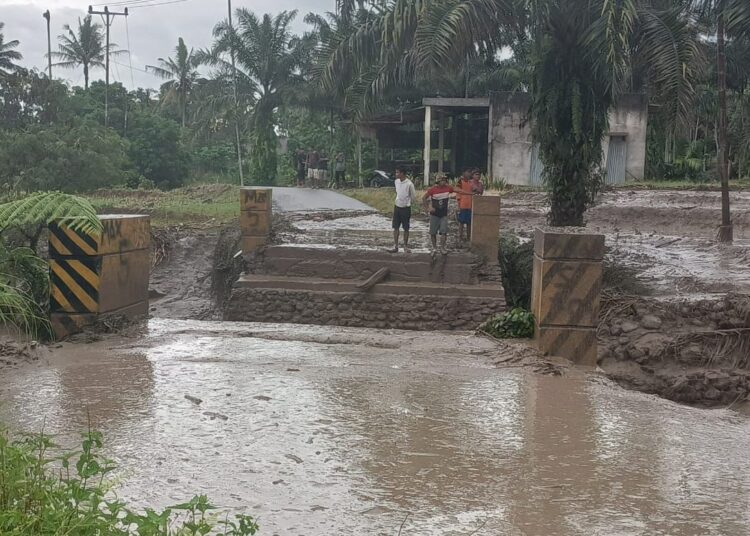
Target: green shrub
[
  {"x": 516, "y": 324},
  {"x": 70, "y": 493},
  {"x": 516, "y": 264}
]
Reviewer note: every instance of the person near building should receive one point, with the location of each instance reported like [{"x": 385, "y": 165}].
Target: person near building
[
  {"x": 301, "y": 160},
  {"x": 406, "y": 194},
  {"x": 313, "y": 159},
  {"x": 436, "y": 201},
  {"x": 340, "y": 170}
]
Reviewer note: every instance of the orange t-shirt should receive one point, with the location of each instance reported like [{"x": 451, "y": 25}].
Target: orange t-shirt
[{"x": 465, "y": 198}]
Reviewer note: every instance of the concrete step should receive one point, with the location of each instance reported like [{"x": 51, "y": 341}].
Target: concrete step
[
  {"x": 328, "y": 263},
  {"x": 349, "y": 286}
]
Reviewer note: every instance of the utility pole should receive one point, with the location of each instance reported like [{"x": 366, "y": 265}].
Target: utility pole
[
  {"x": 107, "y": 22},
  {"x": 46, "y": 15},
  {"x": 236, "y": 102}
]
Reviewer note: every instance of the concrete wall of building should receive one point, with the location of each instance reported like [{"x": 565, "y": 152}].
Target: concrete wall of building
[
  {"x": 630, "y": 119},
  {"x": 511, "y": 135}
]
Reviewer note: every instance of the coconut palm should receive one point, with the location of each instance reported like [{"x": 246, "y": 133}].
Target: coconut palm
[
  {"x": 83, "y": 47},
  {"x": 7, "y": 55},
  {"x": 582, "y": 54},
  {"x": 268, "y": 58},
  {"x": 181, "y": 73}
]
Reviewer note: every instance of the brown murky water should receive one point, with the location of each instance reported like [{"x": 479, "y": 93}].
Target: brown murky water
[{"x": 324, "y": 437}]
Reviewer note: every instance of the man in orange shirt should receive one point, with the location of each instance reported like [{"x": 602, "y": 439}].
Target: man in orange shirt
[{"x": 469, "y": 185}]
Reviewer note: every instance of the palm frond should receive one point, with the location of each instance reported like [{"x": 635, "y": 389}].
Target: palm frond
[{"x": 46, "y": 207}]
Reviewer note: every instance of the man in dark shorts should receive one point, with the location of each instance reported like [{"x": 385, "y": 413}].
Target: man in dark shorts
[
  {"x": 301, "y": 158},
  {"x": 405, "y": 196},
  {"x": 436, "y": 199},
  {"x": 469, "y": 185}
]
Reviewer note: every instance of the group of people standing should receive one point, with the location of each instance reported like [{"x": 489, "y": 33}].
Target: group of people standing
[
  {"x": 313, "y": 166},
  {"x": 435, "y": 200}
]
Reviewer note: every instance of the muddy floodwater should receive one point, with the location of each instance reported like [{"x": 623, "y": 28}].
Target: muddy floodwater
[{"x": 328, "y": 431}]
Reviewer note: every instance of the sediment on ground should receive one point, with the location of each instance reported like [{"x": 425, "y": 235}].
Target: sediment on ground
[{"x": 689, "y": 351}]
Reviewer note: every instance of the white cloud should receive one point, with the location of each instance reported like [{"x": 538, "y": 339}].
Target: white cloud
[{"x": 153, "y": 31}]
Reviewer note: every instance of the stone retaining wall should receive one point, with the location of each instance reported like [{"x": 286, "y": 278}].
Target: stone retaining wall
[{"x": 360, "y": 309}]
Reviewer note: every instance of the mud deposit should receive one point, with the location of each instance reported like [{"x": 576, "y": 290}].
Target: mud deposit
[{"x": 326, "y": 431}]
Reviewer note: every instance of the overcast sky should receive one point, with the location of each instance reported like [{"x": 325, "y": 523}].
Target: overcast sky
[{"x": 153, "y": 30}]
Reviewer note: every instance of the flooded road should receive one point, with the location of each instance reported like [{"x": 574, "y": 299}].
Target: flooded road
[{"x": 336, "y": 431}]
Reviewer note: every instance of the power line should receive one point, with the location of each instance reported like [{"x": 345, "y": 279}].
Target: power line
[
  {"x": 130, "y": 54},
  {"x": 123, "y": 3},
  {"x": 131, "y": 67},
  {"x": 160, "y": 4}
]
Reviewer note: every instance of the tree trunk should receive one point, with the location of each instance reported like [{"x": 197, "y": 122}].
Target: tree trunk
[
  {"x": 725, "y": 231},
  {"x": 183, "y": 106},
  {"x": 85, "y": 76}
]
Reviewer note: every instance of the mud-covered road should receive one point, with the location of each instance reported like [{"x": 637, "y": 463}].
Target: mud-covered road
[{"x": 329, "y": 431}]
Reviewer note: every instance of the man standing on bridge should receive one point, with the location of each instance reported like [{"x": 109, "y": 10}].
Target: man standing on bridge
[
  {"x": 439, "y": 195},
  {"x": 405, "y": 196}
]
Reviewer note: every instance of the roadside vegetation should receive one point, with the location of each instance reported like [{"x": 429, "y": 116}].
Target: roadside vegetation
[{"x": 49, "y": 491}]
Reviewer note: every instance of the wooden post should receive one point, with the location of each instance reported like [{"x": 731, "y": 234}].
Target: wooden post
[
  {"x": 359, "y": 158},
  {"x": 427, "y": 143},
  {"x": 441, "y": 142},
  {"x": 454, "y": 143}
]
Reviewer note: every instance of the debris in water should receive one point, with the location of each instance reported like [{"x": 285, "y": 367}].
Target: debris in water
[
  {"x": 292, "y": 370},
  {"x": 215, "y": 415},
  {"x": 194, "y": 400},
  {"x": 293, "y": 458},
  {"x": 262, "y": 397}
]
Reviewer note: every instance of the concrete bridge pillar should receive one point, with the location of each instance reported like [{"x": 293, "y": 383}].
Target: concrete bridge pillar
[
  {"x": 566, "y": 285},
  {"x": 95, "y": 276},
  {"x": 255, "y": 217},
  {"x": 485, "y": 226}
]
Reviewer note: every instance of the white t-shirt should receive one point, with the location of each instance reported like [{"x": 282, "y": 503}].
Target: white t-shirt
[{"x": 406, "y": 194}]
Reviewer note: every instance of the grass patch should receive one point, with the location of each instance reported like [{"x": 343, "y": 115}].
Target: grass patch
[
  {"x": 713, "y": 186},
  {"x": 198, "y": 204},
  {"x": 45, "y": 492}
]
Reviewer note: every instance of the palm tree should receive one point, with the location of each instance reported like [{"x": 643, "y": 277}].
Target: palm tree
[
  {"x": 7, "y": 54},
  {"x": 84, "y": 47},
  {"x": 181, "y": 73},
  {"x": 582, "y": 56},
  {"x": 727, "y": 17},
  {"x": 268, "y": 58}
]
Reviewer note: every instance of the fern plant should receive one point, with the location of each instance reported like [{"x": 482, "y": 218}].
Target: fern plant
[
  {"x": 24, "y": 276},
  {"x": 43, "y": 208}
]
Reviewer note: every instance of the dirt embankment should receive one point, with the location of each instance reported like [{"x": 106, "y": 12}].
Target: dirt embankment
[
  {"x": 696, "y": 352},
  {"x": 193, "y": 270}
]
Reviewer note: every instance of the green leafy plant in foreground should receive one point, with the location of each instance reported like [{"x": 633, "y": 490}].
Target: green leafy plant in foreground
[
  {"x": 46, "y": 492},
  {"x": 515, "y": 324}
]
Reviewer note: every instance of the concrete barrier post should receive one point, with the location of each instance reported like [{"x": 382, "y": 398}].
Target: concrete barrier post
[
  {"x": 94, "y": 276},
  {"x": 566, "y": 284},
  {"x": 255, "y": 217},
  {"x": 485, "y": 225}
]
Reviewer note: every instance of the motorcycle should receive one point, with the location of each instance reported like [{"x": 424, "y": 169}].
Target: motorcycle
[{"x": 381, "y": 179}]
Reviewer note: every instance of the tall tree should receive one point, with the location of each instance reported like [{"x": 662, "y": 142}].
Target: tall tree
[
  {"x": 268, "y": 57},
  {"x": 7, "y": 55},
  {"x": 83, "y": 47},
  {"x": 727, "y": 17},
  {"x": 180, "y": 72}
]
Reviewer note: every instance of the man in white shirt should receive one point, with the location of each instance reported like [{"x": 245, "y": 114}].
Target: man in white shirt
[{"x": 406, "y": 194}]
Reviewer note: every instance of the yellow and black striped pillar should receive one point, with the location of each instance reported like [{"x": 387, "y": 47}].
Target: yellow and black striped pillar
[
  {"x": 255, "y": 217},
  {"x": 566, "y": 284},
  {"x": 98, "y": 275}
]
